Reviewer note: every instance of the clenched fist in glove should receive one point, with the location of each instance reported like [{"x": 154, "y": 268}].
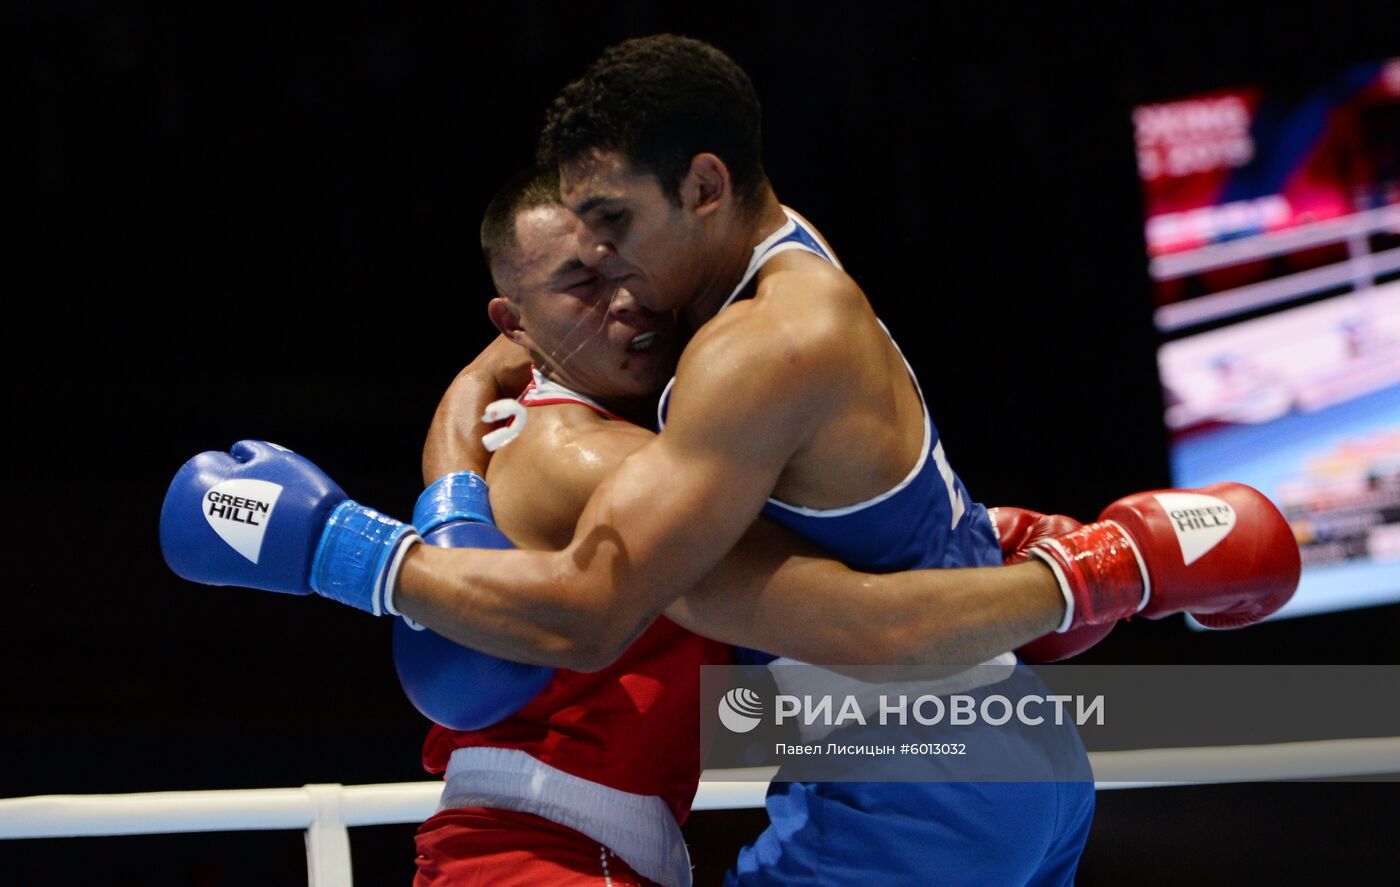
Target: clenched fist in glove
[
  {"x": 1223, "y": 553},
  {"x": 1018, "y": 529}
]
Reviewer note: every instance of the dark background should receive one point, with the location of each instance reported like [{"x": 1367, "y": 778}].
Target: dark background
[{"x": 257, "y": 221}]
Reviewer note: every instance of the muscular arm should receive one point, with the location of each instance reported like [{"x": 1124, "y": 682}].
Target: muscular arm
[
  {"x": 778, "y": 593},
  {"x": 663, "y": 519},
  {"x": 668, "y": 515},
  {"x": 454, "y": 438}
]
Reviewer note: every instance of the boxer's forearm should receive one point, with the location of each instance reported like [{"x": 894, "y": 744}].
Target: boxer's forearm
[
  {"x": 633, "y": 553},
  {"x": 947, "y": 617},
  {"x": 528, "y": 606},
  {"x": 816, "y": 610},
  {"x": 454, "y": 438}
]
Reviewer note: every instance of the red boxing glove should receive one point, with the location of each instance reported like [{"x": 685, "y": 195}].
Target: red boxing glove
[
  {"x": 1223, "y": 553},
  {"x": 1018, "y": 530}
]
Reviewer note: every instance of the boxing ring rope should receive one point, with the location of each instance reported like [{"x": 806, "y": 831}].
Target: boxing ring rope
[
  {"x": 1358, "y": 270},
  {"x": 326, "y": 811}
]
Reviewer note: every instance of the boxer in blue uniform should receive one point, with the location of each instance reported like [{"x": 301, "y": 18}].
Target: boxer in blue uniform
[
  {"x": 905, "y": 832},
  {"x": 921, "y": 516}
]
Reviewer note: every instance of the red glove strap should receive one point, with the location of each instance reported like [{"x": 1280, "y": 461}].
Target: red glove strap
[{"x": 1103, "y": 572}]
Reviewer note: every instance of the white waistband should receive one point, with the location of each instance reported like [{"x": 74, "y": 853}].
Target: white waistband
[{"x": 639, "y": 828}]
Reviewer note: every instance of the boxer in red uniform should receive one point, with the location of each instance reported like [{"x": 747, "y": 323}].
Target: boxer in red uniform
[{"x": 590, "y": 781}]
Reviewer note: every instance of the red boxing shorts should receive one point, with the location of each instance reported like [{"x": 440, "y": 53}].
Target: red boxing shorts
[{"x": 501, "y": 848}]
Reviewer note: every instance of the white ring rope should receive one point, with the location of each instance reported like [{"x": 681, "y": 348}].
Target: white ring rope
[
  {"x": 152, "y": 813},
  {"x": 49, "y": 816},
  {"x": 1321, "y": 759}
]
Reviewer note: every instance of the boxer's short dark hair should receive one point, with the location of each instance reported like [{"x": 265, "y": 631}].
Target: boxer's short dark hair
[
  {"x": 659, "y": 101},
  {"x": 531, "y": 187}
]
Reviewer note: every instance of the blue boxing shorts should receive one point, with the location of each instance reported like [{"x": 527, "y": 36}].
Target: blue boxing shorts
[{"x": 958, "y": 833}]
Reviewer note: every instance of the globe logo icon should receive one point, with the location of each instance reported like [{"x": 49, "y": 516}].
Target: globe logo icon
[{"x": 740, "y": 710}]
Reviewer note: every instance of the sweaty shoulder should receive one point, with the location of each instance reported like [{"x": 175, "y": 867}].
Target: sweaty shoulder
[
  {"x": 767, "y": 373},
  {"x": 806, "y": 363},
  {"x": 541, "y": 481},
  {"x": 799, "y": 321},
  {"x": 799, "y": 281},
  {"x": 560, "y": 442}
]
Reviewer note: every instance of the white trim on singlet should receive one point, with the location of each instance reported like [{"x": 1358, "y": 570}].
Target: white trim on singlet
[
  {"x": 545, "y": 389},
  {"x": 766, "y": 250},
  {"x": 662, "y": 401},
  {"x": 908, "y": 478},
  {"x": 761, "y": 254}
]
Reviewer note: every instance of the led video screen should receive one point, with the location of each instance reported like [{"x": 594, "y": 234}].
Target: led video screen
[{"x": 1272, "y": 222}]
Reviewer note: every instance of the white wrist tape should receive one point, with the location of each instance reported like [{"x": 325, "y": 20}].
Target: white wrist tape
[
  {"x": 1049, "y": 561},
  {"x": 391, "y": 575}
]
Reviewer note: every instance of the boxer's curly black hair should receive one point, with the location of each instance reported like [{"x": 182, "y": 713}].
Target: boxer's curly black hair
[
  {"x": 531, "y": 187},
  {"x": 659, "y": 101}
]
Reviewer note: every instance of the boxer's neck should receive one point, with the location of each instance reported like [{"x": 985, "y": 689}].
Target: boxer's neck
[{"x": 731, "y": 254}]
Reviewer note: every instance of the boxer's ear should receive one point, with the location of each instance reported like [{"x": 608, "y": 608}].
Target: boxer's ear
[
  {"x": 707, "y": 185},
  {"x": 506, "y": 316}
]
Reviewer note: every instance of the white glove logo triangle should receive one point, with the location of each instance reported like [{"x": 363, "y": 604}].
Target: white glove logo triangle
[
  {"x": 238, "y": 510},
  {"x": 1200, "y": 521}
]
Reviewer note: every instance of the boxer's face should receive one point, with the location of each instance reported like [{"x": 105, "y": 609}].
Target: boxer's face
[
  {"x": 632, "y": 233},
  {"x": 589, "y": 333}
]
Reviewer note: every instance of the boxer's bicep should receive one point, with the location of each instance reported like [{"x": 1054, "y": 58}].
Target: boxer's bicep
[
  {"x": 454, "y": 437},
  {"x": 657, "y": 524},
  {"x": 677, "y": 505}
]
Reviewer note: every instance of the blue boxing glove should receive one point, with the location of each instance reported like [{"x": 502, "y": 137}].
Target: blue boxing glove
[
  {"x": 261, "y": 516},
  {"x": 450, "y": 684}
]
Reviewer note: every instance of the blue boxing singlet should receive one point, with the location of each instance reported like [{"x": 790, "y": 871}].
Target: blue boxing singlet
[
  {"x": 926, "y": 520},
  {"x": 966, "y": 834}
]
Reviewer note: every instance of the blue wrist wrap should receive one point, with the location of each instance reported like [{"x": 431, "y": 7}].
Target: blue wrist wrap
[
  {"x": 451, "y": 684},
  {"x": 356, "y": 550},
  {"x": 462, "y": 495}
]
